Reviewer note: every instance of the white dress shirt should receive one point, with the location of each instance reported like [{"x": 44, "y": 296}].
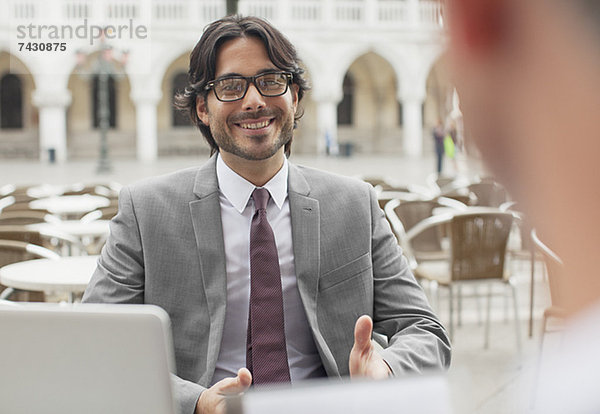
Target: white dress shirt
[{"x": 237, "y": 209}]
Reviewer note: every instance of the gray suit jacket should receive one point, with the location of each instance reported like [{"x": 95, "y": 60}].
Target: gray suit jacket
[{"x": 166, "y": 248}]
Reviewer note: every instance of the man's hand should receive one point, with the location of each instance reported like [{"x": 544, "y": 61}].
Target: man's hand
[
  {"x": 364, "y": 360},
  {"x": 212, "y": 401}
]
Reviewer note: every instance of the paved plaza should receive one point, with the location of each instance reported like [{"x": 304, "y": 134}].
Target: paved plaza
[{"x": 400, "y": 169}]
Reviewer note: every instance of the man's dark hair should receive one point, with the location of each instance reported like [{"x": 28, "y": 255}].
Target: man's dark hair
[{"x": 203, "y": 61}]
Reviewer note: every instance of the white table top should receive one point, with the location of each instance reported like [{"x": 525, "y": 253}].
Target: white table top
[
  {"x": 46, "y": 190},
  {"x": 67, "y": 274},
  {"x": 64, "y": 205},
  {"x": 74, "y": 228}
]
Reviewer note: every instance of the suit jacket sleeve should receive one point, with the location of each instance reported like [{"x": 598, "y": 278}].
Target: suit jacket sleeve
[
  {"x": 120, "y": 278},
  {"x": 417, "y": 340}
]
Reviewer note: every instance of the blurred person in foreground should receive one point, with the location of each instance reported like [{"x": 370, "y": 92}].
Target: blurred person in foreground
[
  {"x": 188, "y": 242},
  {"x": 528, "y": 76}
]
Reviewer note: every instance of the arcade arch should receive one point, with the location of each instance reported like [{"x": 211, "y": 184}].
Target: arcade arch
[
  {"x": 438, "y": 101},
  {"x": 176, "y": 134},
  {"x": 83, "y": 136},
  {"x": 372, "y": 121},
  {"x": 19, "y": 138}
]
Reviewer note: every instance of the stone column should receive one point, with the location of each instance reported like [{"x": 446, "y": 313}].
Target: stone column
[
  {"x": 414, "y": 13},
  {"x": 146, "y": 124},
  {"x": 52, "y": 107},
  {"x": 327, "y": 126},
  {"x": 371, "y": 13},
  {"x": 413, "y": 124},
  {"x": 327, "y": 93}
]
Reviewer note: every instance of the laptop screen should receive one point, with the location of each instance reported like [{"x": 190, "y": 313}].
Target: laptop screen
[{"x": 85, "y": 358}]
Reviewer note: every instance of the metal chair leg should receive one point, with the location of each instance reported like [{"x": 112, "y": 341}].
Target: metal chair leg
[
  {"x": 516, "y": 308},
  {"x": 6, "y": 293},
  {"x": 451, "y": 304},
  {"x": 434, "y": 293},
  {"x": 505, "y": 304},
  {"x": 531, "y": 287},
  {"x": 459, "y": 305},
  {"x": 478, "y": 304},
  {"x": 486, "y": 343},
  {"x": 538, "y": 366}
]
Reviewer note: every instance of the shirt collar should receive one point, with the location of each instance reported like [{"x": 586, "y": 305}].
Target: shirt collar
[{"x": 238, "y": 190}]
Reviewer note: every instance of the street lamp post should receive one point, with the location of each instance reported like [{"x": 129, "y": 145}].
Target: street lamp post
[
  {"x": 232, "y": 7},
  {"x": 104, "y": 165},
  {"x": 104, "y": 67}
]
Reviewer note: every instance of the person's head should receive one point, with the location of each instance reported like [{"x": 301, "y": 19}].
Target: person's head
[
  {"x": 528, "y": 77},
  {"x": 212, "y": 60}
]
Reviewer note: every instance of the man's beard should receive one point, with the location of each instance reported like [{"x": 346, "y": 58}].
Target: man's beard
[{"x": 228, "y": 143}]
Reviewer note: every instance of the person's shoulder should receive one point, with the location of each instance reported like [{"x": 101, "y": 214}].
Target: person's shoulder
[
  {"x": 176, "y": 181},
  {"x": 326, "y": 181}
]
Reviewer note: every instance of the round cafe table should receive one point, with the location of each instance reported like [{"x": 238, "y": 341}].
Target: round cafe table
[
  {"x": 70, "y": 274},
  {"x": 76, "y": 228},
  {"x": 91, "y": 234},
  {"x": 46, "y": 190},
  {"x": 66, "y": 206}
]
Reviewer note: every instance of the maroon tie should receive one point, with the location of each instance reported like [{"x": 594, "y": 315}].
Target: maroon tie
[{"x": 266, "y": 355}]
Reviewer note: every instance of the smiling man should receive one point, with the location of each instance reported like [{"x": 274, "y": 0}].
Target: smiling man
[{"x": 270, "y": 272}]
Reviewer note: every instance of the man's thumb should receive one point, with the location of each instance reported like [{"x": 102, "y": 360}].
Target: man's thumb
[
  {"x": 362, "y": 332},
  {"x": 238, "y": 384}
]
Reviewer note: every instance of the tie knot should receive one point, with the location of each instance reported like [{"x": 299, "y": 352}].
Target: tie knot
[{"x": 261, "y": 198}]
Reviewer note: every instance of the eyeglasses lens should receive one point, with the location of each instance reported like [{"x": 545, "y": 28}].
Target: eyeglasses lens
[{"x": 269, "y": 84}]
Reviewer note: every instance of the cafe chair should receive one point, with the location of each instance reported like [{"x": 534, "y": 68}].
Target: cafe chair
[
  {"x": 478, "y": 243},
  {"x": 488, "y": 193},
  {"x": 405, "y": 214},
  {"x": 19, "y": 193},
  {"x": 103, "y": 190},
  {"x": 376, "y": 181},
  {"x": 554, "y": 271},
  {"x": 22, "y": 218},
  {"x": 5, "y": 202},
  {"x": 442, "y": 181},
  {"x": 458, "y": 191},
  {"x": 521, "y": 250},
  {"x": 16, "y": 251},
  {"x": 385, "y": 197},
  {"x": 94, "y": 245},
  {"x": 103, "y": 213},
  {"x": 61, "y": 243},
  {"x": 9, "y": 204}
]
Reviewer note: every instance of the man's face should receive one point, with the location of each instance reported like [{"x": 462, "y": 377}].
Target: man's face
[{"x": 255, "y": 127}]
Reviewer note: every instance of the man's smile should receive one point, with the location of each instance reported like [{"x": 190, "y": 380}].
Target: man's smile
[{"x": 255, "y": 124}]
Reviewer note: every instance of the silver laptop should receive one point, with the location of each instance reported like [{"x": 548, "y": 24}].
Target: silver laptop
[
  {"x": 85, "y": 358},
  {"x": 426, "y": 394}
]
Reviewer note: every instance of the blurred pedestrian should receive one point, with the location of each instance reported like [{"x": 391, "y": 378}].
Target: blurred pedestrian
[{"x": 438, "y": 140}]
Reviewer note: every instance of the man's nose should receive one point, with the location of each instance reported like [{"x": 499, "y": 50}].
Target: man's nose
[{"x": 253, "y": 99}]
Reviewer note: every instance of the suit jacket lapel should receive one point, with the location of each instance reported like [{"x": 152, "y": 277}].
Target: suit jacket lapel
[
  {"x": 206, "y": 219},
  {"x": 305, "y": 216}
]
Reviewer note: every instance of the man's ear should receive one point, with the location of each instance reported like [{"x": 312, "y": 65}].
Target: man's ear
[
  {"x": 294, "y": 89},
  {"x": 477, "y": 26},
  {"x": 202, "y": 109}
]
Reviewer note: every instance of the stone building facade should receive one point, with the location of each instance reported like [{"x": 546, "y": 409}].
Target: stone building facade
[{"x": 375, "y": 66}]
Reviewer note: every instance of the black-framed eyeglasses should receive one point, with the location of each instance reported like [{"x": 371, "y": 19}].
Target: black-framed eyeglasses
[{"x": 234, "y": 88}]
